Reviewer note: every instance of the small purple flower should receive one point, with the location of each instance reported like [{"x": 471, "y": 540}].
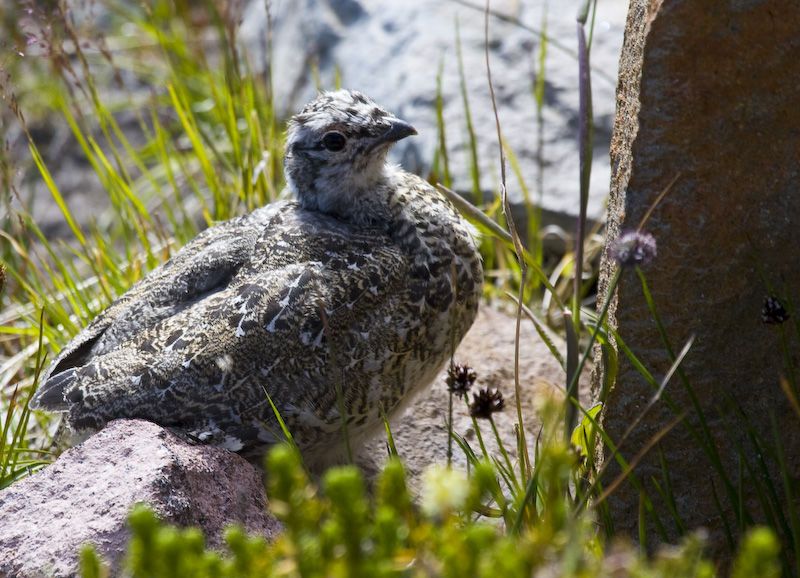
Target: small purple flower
[
  {"x": 460, "y": 378},
  {"x": 632, "y": 249},
  {"x": 773, "y": 312},
  {"x": 485, "y": 403}
]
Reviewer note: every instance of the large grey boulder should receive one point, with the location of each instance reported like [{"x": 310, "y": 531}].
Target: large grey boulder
[{"x": 395, "y": 52}]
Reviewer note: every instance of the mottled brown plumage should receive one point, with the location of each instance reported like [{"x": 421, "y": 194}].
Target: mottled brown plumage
[{"x": 370, "y": 278}]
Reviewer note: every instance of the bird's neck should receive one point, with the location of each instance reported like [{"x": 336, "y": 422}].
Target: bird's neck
[{"x": 361, "y": 199}]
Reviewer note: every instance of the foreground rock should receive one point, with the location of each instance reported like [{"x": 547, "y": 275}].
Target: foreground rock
[
  {"x": 703, "y": 96},
  {"x": 85, "y": 496}
]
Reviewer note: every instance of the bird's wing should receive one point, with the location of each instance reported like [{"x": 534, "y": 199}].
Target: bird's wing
[
  {"x": 306, "y": 291},
  {"x": 203, "y": 265}
]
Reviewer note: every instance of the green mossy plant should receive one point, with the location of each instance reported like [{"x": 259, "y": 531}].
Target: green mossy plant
[{"x": 341, "y": 529}]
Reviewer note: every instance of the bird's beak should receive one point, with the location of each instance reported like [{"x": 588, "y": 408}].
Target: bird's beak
[{"x": 399, "y": 130}]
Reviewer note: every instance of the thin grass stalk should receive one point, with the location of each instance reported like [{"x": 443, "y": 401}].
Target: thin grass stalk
[
  {"x": 7, "y": 455},
  {"x": 725, "y": 525},
  {"x": 227, "y": 113},
  {"x": 190, "y": 128},
  {"x": 627, "y": 469},
  {"x": 133, "y": 211},
  {"x": 452, "y": 369},
  {"x": 615, "y": 454},
  {"x": 31, "y": 287},
  {"x": 761, "y": 493},
  {"x": 269, "y": 53},
  {"x": 469, "y": 453},
  {"x": 770, "y": 504},
  {"x": 627, "y": 473},
  {"x": 778, "y": 509},
  {"x": 477, "y": 431},
  {"x": 585, "y": 142},
  {"x": 537, "y": 246},
  {"x": 54, "y": 191},
  {"x": 659, "y": 393},
  {"x": 512, "y": 477},
  {"x": 508, "y": 476},
  {"x": 591, "y": 24},
  {"x": 473, "y": 461},
  {"x": 642, "y": 523},
  {"x": 449, "y": 427},
  {"x": 102, "y": 113},
  {"x": 531, "y": 489},
  {"x": 533, "y": 213},
  {"x": 474, "y": 166},
  {"x": 188, "y": 166},
  {"x": 541, "y": 330},
  {"x": 10, "y": 455},
  {"x": 791, "y": 396},
  {"x": 606, "y": 521},
  {"x": 572, "y": 370},
  {"x": 65, "y": 284},
  {"x": 667, "y": 494},
  {"x": 789, "y": 487},
  {"x": 523, "y": 467},
  {"x": 573, "y": 380},
  {"x": 392, "y": 449},
  {"x": 704, "y": 437},
  {"x": 441, "y": 161},
  {"x": 160, "y": 141},
  {"x": 787, "y": 361},
  {"x": 478, "y": 218},
  {"x": 696, "y": 435},
  {"x": 337, "y": 381},
  {"x": 773, "y": 508},
  {"x": 286, "y": 433},
  {"x": 514, "y": 237}
]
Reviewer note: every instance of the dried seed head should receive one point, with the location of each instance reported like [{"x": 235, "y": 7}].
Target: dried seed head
[
  {"x": 460, "y": 378},
  {"x": 486, "y": 402},
  {"x": 773, "y": 312},
  {"x": 632, "y": 249}
]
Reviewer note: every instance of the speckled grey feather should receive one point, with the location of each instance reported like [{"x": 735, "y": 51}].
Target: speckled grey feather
[{"x": 369, "y": 277}]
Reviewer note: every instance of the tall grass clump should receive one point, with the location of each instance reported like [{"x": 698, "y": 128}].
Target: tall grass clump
[{"x": 198, "y": 144}]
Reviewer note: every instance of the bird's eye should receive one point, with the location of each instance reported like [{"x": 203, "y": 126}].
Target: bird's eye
[{"x": 333, "y": 141}]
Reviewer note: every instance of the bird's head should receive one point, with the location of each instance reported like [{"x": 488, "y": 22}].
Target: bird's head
[{"x": 336, "y": 154}]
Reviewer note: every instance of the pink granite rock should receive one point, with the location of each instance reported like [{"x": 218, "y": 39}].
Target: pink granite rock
[
  {"x": 85, "y": 496},
  {"x": 708, "y": 96}
]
